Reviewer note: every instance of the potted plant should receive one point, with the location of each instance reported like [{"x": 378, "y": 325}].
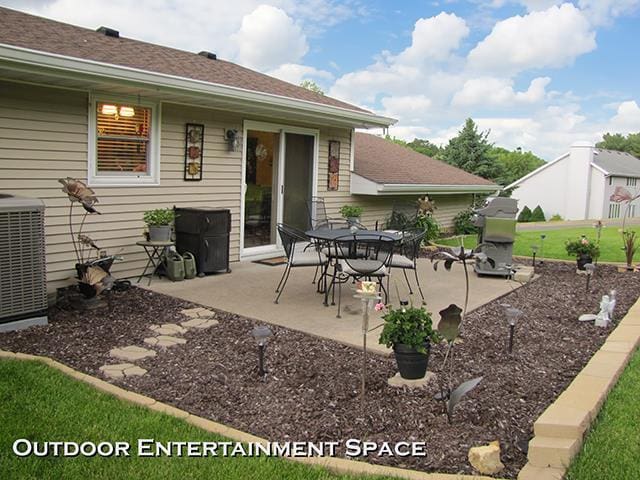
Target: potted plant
[
  {"x": 159, "y": 222},
  {"x": 409, "y": 331},
  {"x": 352, "y": 213},
  {"x": 583, "y": 249}
]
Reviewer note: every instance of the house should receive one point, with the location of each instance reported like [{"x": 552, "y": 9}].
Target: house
[
  {"x": 148, "y": 126},
  {"x": 578, "y": 185},
  {"x": 386, "y": 173}
]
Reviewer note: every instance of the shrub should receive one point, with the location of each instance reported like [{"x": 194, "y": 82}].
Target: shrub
[
  {"x": 525, "y": 215},
  {"x": 537, "y": 215},
  {"x": 582, "y": 246},
  {"x": 408, "y": 325},
  {"x": 159, "y": 217},
  {"x": 351, "y": 211},
  {"x": 556, "y": 218},
  {"x": 462, "y": 224},
  {"x": 430, "y": 224}
]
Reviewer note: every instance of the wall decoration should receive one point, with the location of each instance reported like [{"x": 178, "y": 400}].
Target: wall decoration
[
  {"x": 194, "y": 143},
  {"x": 333, "y": 179}
]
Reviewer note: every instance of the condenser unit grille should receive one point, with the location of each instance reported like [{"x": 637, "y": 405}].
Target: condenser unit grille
[{"x": 22, "y": 266}]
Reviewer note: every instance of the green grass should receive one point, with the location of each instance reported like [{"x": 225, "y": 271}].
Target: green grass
[
  {"x": 612, "y": 448},
  {"x": 610, "y": 242},
  {"x": 41, "y": 404}
]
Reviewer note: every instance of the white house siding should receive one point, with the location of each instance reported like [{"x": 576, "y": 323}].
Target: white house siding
[
  {"x": 610, "y": 184},
  {"x": 596, "y": 194},
  {"x": 43, "y": 137}
]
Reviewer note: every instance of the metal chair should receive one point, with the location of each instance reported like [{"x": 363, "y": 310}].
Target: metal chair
[
  {"x": 290, "y": 237},
  {"x": 403, "y": 216},
  {"x": 368, "y": 258},
  {"x": 318, "y": 217},
  {"x": 406, "y": 257}
]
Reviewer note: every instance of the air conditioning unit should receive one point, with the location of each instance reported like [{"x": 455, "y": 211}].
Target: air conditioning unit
[{"x": 23, "y": 283}]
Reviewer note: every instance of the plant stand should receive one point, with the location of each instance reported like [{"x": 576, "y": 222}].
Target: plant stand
[{"x": 154, "y": 251}]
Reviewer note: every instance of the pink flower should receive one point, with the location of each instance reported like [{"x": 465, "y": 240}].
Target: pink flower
[
  {"x": 584, "y": 241},
  {"x": 379, "y": 306}
]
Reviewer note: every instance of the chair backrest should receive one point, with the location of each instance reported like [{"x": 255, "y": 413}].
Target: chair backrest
[
  {"x": 403, "y": 216},
  {"x": 411, "y": 243},
  {"x": 377, "y": 250},
  {"x": 290, "y": 236},
  {"x": 317, "y": 210}
]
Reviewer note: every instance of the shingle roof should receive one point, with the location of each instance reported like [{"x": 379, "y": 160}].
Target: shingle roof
[
  {"x": 617, "y": 163},
  {"x": 37, "y": 33},
  {"x": 385, "y": 162}
]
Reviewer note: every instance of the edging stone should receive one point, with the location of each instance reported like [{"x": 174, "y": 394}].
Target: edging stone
[{"x": 338, "y": 465}]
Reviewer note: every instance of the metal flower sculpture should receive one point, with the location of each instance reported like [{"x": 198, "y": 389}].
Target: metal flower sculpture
[
  {"x": 78, "y": 191},
  {"x": 620, "y": 195}
]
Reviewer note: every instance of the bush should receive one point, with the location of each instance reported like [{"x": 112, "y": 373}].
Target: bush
[
  {"x": 525, "y": 215},
  {"x": 537, "y": 215},
  {"x": 159, "y": 217},
  {"x": 351, "y": 211},
  {"x": 408, "y": 325},
  {"x": 556, "y": 218},
  {"x": 462, "y": 224},
  {"x": 582, "y": 246},
  {"x": 430, "y": 224}
]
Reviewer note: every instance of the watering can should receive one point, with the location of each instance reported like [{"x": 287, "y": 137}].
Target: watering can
[
  {"x": 175, "y": 266},
  {"x": 189, "y": 265}
]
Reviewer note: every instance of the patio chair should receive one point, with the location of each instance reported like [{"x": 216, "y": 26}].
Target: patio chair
[
  {"x": 406, "y": 257},
  {"x": 403, "y": 216},
  {"x": 369, "y": 258},
  {"x": 318, "y": 217},
  {"x": 290, "y": 237}
]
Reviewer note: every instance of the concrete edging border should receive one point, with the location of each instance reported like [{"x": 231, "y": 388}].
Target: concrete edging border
[
  {"x": 338, "y": 465},
  {"x": 560, "y": 430}
]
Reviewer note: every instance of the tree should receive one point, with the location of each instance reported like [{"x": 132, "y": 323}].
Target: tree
[
  {"x": 537, "y": 215},
  {"x": 425, "y": 147},
  {"x": 525, "y": 215},
  {"x": 471, "y": 151},
  {"x": 514, "y": 164},
  {"x": 617, "y": 141},
  {"x": 311, "y": 85}
]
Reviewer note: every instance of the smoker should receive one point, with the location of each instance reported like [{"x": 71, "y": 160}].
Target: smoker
[{"x": 497, "y": 222}]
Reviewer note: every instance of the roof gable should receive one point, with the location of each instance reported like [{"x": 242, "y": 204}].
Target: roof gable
[
  {"x": 617, "y": 163},
  {"x": 36, "y": 33}
]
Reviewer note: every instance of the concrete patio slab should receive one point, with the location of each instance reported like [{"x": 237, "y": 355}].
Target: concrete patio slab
[{"x": 249, "y": 291}]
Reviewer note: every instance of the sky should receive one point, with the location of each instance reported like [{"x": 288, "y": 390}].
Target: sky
[{"x": 538, "y": 74}]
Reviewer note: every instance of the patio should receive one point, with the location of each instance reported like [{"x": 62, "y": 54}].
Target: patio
[{"x": 249, "y": 291}]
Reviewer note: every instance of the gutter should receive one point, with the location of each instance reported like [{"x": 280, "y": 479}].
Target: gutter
[
  {"x": 391, "y": 188},
  {"x": 100, "y": 70}
]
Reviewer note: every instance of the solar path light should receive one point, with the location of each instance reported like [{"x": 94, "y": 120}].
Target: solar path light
[
  {"x": 512, "y": 315},
  {"x": 261, "y": 334}
]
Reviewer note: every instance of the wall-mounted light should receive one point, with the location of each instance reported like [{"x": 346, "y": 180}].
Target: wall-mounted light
[
  {"x": 109, "y": 109},
  {"x": 127, "y": 112},
  {"x": 233, "y": 140}
]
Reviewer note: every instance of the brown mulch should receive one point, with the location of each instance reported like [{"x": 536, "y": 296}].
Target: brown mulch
[{"x": 312, "y": 390}]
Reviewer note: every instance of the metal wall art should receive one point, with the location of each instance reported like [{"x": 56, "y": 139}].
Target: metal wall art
[
  {"x": 333, "y": 179},
  {"x": 194, "y": 143}
]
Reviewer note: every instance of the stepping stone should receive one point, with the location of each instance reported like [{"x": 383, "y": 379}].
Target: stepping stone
[
  {"x": 398, "y": 381},
  {"x": 198, "y": 312},
  {"x": 199, "y": 323},
  {"x": 168, "y": 329},
  {"x": 131, "y": 353},
  {"x": 120, "y": 370},
  {"x": 164, "y": 341}
]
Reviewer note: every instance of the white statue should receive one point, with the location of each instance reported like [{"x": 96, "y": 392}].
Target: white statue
[
  {"x": 612, "y": 303},
  {"x": 602, "y": 319}
]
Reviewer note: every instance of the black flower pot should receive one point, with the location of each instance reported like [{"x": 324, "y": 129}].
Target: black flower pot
[
  {"x": 583, "y": 259},
  {"x": 412, "y": 364}
]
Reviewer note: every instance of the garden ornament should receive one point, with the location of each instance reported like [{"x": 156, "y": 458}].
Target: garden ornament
[
  {"x": 426, "y": 206},
  {"x": 602, "y": 318},
  {"x": 612, "y": 303}
]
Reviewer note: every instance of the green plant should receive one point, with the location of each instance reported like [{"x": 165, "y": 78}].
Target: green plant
[
  {"x": 582, "y": 246},
  {"x": 408, "y": 325},
  {"x": 537, "y": 215},
  {"x": 630, "y": 247},
  {"x": 159, "y": 217},
  {"x": 430, "y": 225},
  {"x": 351, "y": 211},
  {"x": 525, "y": 215},
  {"x": 556, "y": 218},
  {"x": 462, "y": 224}
]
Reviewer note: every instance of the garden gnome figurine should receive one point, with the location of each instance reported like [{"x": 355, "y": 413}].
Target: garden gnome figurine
[{"x": 602, "y": 319}]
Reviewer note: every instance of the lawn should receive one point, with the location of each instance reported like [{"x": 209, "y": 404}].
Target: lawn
[
  {"x": 612, "y": 448},
  {"x": 610, "y": 242},
  {"x": 42, "y": 404}
]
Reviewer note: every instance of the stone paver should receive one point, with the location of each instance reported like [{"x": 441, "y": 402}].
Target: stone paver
[
  {"x": 131, "y": 353},
  {"x": 120, "y": 370},
  {"x": 398, "y": 381},
  {"x": 164, "y": 341},
  {"x": 168, "y": 329},
  {"x": 199, "y": 323},
  {"x": 198, "y": 312}
]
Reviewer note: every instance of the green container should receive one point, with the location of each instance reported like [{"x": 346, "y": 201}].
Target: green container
[
  {"x": 189, "y": 265},
  {"x": 175, "y": 267}
]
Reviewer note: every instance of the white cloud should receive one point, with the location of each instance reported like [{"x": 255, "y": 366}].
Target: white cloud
[
  {"x": 491, "y": 91},
  {"x": 626, "y": 120},
  {"x": 268, "y": 37},
  {"x": 296, "y": 73},
  {"x": 550, "y": 38},
  {"x": 602, "y": 12},
  {"x": 411, "y": 108}
]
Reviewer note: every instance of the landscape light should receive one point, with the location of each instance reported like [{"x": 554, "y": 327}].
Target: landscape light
[
  {"x": 534, "y": 250},
  {"x": 542, "y": 237},
  {"x": 590, "y": 268},
  {"x": 512, "y": 315},
  {"x": 261, "y": 334}
]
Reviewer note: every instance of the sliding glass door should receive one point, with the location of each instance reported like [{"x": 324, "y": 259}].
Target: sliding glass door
[{"x": 298, "y": 178}]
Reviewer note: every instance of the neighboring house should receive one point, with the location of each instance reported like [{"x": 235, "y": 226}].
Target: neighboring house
[
  {"x": 578, "y": 184},
  {"x": 386, "y": 173}
]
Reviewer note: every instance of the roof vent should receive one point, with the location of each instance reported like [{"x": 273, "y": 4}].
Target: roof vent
[
  {"x": 109, "y": 32},
  {"x": 209, "y": 55}
]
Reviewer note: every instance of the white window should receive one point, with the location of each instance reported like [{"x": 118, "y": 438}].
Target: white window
[
  {"x": 614, "y": 210},
  {"x": 632, "y": 211},
  {"x": 124, "y": 142},
  {"x": 632, "y": 182}
]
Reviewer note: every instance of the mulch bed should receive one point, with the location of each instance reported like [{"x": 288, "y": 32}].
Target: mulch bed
[{"x": 312, "y": 391}]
